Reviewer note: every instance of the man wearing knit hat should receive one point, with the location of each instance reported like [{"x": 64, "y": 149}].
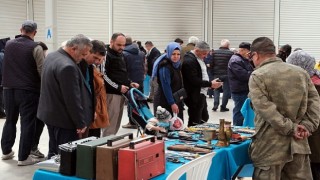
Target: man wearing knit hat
[{"x": 239, "y": 71}]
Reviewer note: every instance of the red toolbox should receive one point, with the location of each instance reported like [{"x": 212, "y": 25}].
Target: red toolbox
[{"x": 143, "y": 159}]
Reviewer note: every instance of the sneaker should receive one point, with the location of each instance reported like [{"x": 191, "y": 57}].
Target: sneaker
[
  {"x": 7, "y": 156},
  {"x": 129, "y": 126},
  {"x": 222, "y": 109},
  {"x": 29, "y": 161},
  {"x": 36, "y": 154}
]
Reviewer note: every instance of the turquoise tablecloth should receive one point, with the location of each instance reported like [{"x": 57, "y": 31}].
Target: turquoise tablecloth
[{"x": 224, "y": 164}]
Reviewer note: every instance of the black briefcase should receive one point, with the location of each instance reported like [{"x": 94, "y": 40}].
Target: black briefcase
[{"x": 68, "y": 156}]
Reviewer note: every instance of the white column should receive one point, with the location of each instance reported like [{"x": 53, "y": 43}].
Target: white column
[
  {"x": 276, "y": 24},
  {"x": 110, "y": 20},
  {"x": 30, "y": 10},
  {"x": 51, "y": 25}
]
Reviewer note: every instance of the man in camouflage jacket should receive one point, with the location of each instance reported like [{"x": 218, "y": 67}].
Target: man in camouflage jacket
[{"x": 286, "y": 105}]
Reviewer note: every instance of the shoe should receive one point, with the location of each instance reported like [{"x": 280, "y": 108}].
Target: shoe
[
  {"x": 214, "y": 108},
  {"x": 29, "y": 161},
  {"x": 129, "y": 126},
  {"x": 36, "y": 154},
  {"x": 7, "y": 156},
  {"x": 223, "y": 109}
]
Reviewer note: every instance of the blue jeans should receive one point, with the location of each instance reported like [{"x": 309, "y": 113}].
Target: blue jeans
[
  {"x": 239, "y": 99},
  {"x": 225, "y": 96},
  {"x": 25, "y": 103}
]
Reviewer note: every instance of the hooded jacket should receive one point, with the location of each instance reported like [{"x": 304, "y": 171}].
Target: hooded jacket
[{"x": 134, "y": 59}]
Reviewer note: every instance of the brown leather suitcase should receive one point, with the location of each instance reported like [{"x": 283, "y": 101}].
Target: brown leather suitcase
[
  {"x": 143, "y": 159},
  {"x": 107, "y": 157}
]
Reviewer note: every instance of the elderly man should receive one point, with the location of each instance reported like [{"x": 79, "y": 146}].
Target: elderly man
[
  {"x": 192, "y": 41},
  {"x": 239, "y": 71},
  {"x": 22, "y": 67},
  {"x": 65, "y": 103},
  {"x": 117, "y": 82},
  {"x": 219, "y": 69},
  {"x": 196, "y": 81},
  {"x": 286, "y": 105}
]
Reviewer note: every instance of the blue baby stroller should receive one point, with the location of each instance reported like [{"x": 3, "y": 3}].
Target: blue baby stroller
[{"x": 138, "y": 110}]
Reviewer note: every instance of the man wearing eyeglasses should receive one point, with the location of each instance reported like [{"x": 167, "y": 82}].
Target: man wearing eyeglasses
[
  {"x": 239, "y": 71},
  {"x": 286, "y": 106}
]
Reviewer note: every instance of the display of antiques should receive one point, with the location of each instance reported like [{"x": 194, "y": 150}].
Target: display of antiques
[{"x": 145, "y": 157}]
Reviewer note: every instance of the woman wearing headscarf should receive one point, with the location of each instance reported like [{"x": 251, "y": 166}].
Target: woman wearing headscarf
[
  {"x": 167, "y": 69},
  {"x": 305, "y": 61}
]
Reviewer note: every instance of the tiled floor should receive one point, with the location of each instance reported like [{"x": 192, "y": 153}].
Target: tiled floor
[{"x": 10, "y": 170}]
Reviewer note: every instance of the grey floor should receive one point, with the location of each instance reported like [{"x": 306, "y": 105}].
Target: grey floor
[{"x": 10, "y": 170}]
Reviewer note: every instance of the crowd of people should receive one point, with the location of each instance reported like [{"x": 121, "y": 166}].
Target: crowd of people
[{"x": 77, "y": 91}]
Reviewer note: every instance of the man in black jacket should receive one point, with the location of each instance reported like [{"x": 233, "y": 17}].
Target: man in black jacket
[
  {"x": 196, "y": 81},
  {"x": 135, "y": 66},
  {"x": 65, "y": 104},
  {"x": 152, "y": 55},
  {"x": 220, "y": 60},
  {"x": 117, "y": 82}
]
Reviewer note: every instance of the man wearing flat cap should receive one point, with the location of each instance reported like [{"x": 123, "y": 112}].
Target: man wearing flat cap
[
  {"x": 22, "y": 67},
  {"x": 239, "y": 71}
]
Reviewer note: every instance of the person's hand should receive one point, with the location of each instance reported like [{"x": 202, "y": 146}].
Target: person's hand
[
  {"x": 216, "y": 83},
  {"x": 81, "y": 131},
  {"x": 175, "y": 108},
  {"x": 135, "y": 85},
  {"x": 124, "y": 89},
  {"x": 301, "y": 132}
]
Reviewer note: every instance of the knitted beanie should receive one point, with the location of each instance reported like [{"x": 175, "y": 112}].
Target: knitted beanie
[{"x": 162, "y": 114}]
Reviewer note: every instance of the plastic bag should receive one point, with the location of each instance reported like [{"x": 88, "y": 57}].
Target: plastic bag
[{"x": 176, "y": 123}]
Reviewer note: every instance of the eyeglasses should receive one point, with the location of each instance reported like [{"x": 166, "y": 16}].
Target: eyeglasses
[{"x": 251, "y": 54}]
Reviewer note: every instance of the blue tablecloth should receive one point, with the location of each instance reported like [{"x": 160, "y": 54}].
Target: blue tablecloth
[{"x": 224, "y": 164}]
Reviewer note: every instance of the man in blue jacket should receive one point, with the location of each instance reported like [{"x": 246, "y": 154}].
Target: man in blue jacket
[{"x": 239, "y": 71}]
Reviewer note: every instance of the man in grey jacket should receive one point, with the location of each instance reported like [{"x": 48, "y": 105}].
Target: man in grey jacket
[{"x": 65, "y": 104}]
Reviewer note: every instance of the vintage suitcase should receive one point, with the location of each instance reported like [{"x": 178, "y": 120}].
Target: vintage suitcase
[
  {"x": 143, "y": 159},
  {"x": 107, "y": 157},
  {"x": 86, "y": 157},
  {"x": 68, "y": 156}
]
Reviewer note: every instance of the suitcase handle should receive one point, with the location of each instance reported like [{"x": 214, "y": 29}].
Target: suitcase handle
[
  {"x": 117, "y": 138},
  {"x": 132, "y": 143}
]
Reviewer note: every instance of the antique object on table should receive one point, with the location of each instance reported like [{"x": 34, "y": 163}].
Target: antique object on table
[
  {"x": 86, "y": 157},
  {"x": 208, "y": 135},
  {"x": 107, "y": 157},
  {"x": 186, "y": 148},
  {"x": 68, "y": 156},
  {"x": 143, "y": 159},
  {"x": 222, "y": 140},
  {"x": 228, "y": 131}
]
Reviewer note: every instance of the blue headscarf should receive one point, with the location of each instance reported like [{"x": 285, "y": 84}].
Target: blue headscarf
[{"x": 169, "y": 50}]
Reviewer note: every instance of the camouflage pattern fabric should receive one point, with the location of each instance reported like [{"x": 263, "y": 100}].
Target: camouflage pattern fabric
[
  {"x": 299, "y": 168},
  {"x": 282, "y": 96}
]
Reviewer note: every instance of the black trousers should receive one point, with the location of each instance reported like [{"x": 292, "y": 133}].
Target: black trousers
[
  {"x": 25, "y": 103},
  {"x": 37, "y": 135},
  {"x": 59, "y": 136},
  {"x": 198, "y": 112}
]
